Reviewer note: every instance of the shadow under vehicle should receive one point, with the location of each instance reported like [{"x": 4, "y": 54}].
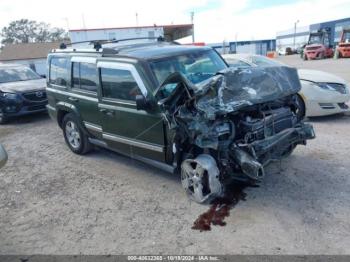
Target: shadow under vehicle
[{"x": 180, "y": 108}]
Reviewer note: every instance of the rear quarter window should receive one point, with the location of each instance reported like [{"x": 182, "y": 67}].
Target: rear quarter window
[{"x": 59, "y": 71}]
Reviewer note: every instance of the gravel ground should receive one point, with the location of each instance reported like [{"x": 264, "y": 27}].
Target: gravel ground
[{"x": 55, "y": 202}]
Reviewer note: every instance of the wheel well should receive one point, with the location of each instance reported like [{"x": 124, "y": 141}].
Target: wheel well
[
  {"x": 60, "y": 116},
  {"x": 302, "y": 101}
]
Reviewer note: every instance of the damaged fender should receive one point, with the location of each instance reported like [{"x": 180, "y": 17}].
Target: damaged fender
[{"x": 240, "y": 119}]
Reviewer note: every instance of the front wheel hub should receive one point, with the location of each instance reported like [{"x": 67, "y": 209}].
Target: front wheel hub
[{"x": 200, "y": 178}]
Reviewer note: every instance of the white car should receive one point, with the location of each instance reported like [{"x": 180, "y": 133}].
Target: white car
[{"x": 321, "y": 93}]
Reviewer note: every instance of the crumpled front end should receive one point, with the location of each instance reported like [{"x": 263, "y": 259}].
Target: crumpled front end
[{"x": 232, "y": 125}]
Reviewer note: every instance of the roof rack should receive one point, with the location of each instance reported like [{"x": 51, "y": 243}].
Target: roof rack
[{"x": 98, "y": 43}]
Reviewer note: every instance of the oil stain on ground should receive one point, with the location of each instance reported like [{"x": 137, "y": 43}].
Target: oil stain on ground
[{"x": 220, "y": 208}]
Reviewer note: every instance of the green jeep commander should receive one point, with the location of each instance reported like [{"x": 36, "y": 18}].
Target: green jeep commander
[{"x": 177, "y": 107}]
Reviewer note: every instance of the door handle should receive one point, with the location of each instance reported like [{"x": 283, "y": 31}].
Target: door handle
[
  {"x": 73, "y": 99},
  {"x": 107, "y": 112}
]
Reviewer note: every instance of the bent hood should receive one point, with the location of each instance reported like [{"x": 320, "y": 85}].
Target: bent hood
[
  {"x": 23, "y": 86},
  {"x": 230, "y": 90},
  {"x": 319, "y": 76},
  {"x": 234, "y": 89}
]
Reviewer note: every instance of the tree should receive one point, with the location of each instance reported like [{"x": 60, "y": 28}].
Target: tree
[{"x": 29, "y": 31}]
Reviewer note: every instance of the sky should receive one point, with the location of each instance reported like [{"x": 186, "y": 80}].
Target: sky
[{"x": 215, "y": 21}]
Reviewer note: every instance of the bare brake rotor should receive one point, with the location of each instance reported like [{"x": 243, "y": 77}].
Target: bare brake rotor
[{"x": 200, "y": 178}]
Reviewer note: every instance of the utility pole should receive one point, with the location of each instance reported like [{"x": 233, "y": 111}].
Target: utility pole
[
  {"x": 192, "y": 22},
  {"x": 137, "y": 19},
  {"x": 83, "y": 20},
  {"x": 295, "y": 32}
]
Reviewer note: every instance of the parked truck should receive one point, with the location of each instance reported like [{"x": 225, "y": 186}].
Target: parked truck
[
  {"x": 343, "y": 48},
  {"x": 318, "y": 46}
]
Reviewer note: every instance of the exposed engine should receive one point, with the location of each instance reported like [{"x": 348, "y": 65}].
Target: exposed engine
[{"x": 233, "y": 125}]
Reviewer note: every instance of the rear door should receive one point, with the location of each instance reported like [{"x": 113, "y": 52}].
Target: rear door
[
  {"x": 126, "y": 129},
  {"x": 84, "y": 92}
]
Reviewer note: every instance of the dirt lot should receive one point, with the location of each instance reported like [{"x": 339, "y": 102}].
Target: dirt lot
[{"x": 55, "y": 202}]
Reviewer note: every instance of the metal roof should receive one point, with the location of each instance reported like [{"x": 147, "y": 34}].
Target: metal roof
[{"x": 24, "y": 51}]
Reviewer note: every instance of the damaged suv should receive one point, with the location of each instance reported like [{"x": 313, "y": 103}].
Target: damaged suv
[{"x": 179, "y": 108}]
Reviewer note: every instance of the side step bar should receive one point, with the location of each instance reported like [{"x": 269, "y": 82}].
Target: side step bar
[{"x": 157, "y": 164}]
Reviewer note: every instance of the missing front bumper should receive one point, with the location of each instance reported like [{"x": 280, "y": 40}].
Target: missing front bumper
[{"x": 254, "y": 156}]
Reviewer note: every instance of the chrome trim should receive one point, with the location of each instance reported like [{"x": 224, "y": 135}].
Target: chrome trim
[
  {"x": 71, "y": 94},
  {"x": 93, "y": 127},
  {"x": 125, "y": 67},
  {"x": 118, "y": 101},
  {"x": 132, "y": 142},
  {"x": 48, "y": 107},
  {"x": 163, "y": 166}
]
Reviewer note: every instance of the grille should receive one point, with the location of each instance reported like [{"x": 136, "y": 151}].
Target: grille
[
  {"x": 37, "y": 96},
  {"x": 313, "y": 48},
  {"x": 327, "y": 105},
  {"x": 35, "y": 108}
]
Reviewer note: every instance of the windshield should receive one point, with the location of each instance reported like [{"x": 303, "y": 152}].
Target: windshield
[
  {"x": 17, "y": 74},
  {"x": 264, "y": 61},
  {"x": 196, "y": 66},
  {"x": 315, "y": 39},
  {"x": 346, "y": 37}
]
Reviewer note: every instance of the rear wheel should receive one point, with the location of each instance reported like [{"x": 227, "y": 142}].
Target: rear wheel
[
  {"x": 321, "y": 55},
  {"x": 75, "y": 138},
  {"x": 305, "y": 57}
]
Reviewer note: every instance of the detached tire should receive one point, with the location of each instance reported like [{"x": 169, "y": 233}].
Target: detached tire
[{"x": 75, "y": 138}]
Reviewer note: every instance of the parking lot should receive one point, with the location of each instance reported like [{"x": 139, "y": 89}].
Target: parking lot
[{"x": 55, "y": 202}]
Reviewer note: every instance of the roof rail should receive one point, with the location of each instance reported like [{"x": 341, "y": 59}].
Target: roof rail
[{"x": 98, "y": 43}]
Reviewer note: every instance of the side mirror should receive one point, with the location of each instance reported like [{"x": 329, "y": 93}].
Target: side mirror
[
  {"x": 142, "y": 103},
  {"x": 3, "y": 156}
]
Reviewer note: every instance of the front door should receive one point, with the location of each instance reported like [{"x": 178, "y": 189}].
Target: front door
[{"x": 126, "y": 129}]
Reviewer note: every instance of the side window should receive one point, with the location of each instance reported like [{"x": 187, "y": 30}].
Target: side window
[
  {"x": 84, "y": 76},
  {"x": 118, "y": 84},
  {"x": 76, "y": 75},
  {"x": 58, "y": 71}
]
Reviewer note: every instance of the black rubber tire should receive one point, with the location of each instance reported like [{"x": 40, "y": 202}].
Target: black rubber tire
[
  {"x": 322, "y": 56},
  {"x": 3, "y": 119},
  {"x": 301, "y": 108},
  {"x": 85, "y": 146},
  {"x": 305, "y": 57}
]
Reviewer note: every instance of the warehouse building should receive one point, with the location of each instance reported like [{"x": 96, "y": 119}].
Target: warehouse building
[
  {"x": 169, "y": 32},
  {"x": 258, "y": 47},
  {"x": 300, "y": 36},
  {"x": 32, "y": 55}
]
